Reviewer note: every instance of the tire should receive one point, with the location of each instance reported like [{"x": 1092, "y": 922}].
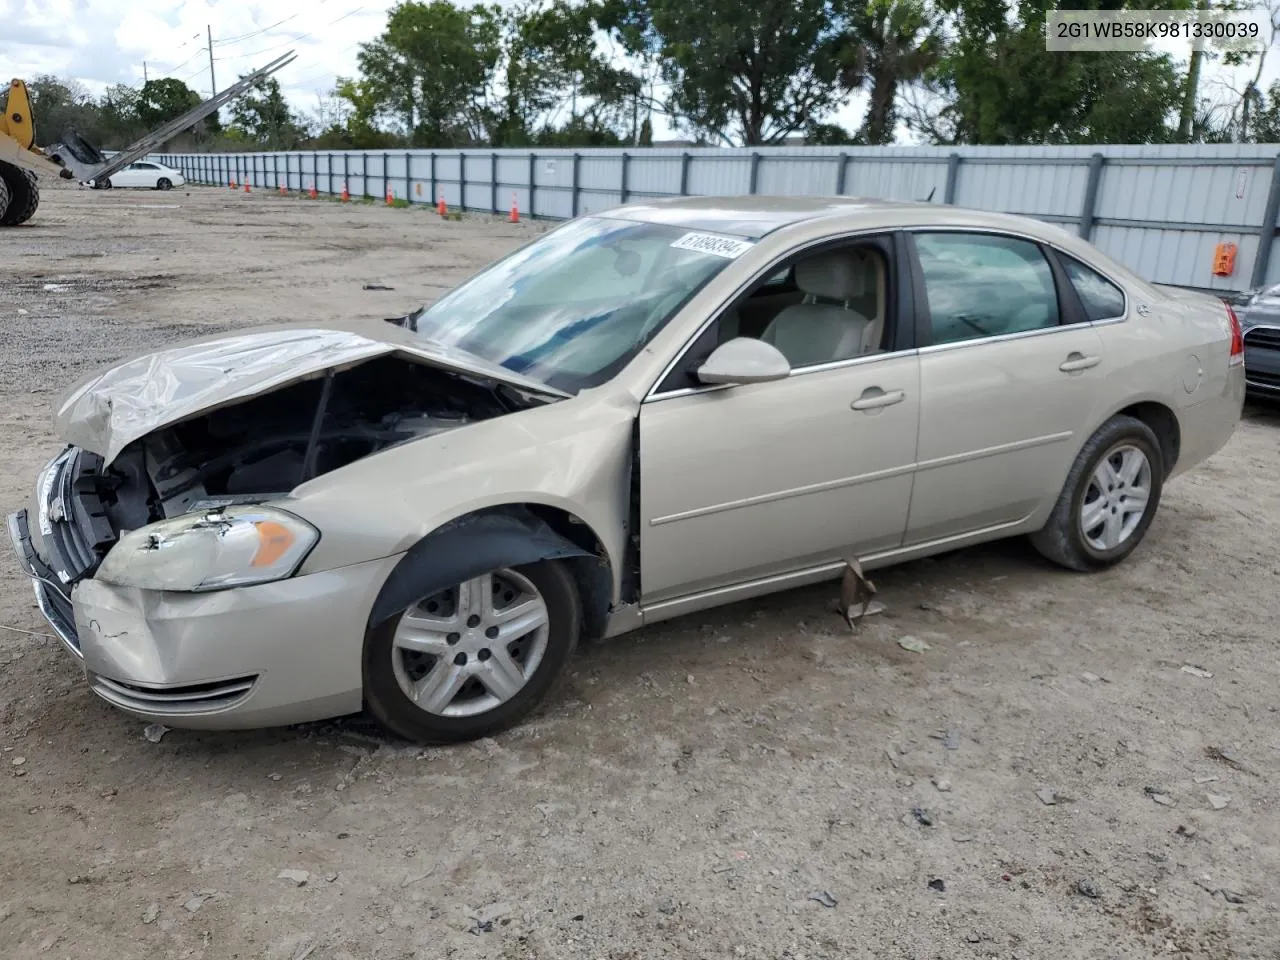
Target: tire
[
  {"x": 24, "y": 195},
  {"x": 164, "y": 183},
  {"x": 1065, "y": 539},
  {"x": 4, "y": 197},
  {"x": 466, "y": 705}
]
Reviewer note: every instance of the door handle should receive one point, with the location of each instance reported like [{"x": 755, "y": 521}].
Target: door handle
[
  {"x": 1076, "y": 362},
  {"x": 873, "y": 398}
]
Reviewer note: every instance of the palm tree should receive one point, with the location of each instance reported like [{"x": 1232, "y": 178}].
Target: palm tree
[{"x": 897, "y": 41}]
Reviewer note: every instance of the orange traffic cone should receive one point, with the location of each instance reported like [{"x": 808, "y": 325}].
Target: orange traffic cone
[
  {"x": 246, "y": 185},
  {"x": 515, "y": 210},
  {"x": 284, "y": 191},
  {"x": 391, "y": 197},
  {"x": 313, "y": 193},
  {"x": 233, "y": 183},
  {"x": 346, "y": 194},
  {"x": 440, "y": 207}
]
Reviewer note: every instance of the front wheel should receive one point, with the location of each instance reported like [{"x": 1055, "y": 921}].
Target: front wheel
[
  {"x": 1109, "y": 499},
  {"x": 475, "y": 658},
  {"x": 164, "y": 183}
]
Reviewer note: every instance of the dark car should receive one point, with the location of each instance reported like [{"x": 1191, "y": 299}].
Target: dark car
[{"x": 1259, "y": 315}]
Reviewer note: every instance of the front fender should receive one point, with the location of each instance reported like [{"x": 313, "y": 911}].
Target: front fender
[{"x": 466, "y": 548}]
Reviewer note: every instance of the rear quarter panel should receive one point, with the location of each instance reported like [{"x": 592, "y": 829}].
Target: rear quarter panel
[{"x": 1176, "y": 353}]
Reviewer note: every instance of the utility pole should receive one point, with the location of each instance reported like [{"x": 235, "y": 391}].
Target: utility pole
[
  {"x": 144, "y": 72},
  {"x": 213, "y": 84}
]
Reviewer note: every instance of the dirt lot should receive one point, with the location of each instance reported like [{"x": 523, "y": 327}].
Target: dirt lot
[{"x": 737, "y": 784}]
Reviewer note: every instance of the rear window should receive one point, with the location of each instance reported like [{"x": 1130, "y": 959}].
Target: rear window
[{"x": 1101, "y": 298}]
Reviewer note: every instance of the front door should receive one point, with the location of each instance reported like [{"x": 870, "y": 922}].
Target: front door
[
  {"x": 751, "y": 480},
  {"x": 743, "y": 482}
]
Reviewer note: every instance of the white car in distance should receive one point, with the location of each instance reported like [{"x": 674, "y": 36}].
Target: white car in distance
[{"x": 146, "y": 174}]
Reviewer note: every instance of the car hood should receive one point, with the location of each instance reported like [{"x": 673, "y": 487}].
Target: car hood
[{"x": 132, "y": 399}]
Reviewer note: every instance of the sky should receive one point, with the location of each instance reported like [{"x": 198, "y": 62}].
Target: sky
[{"x": 101, "y": 42}]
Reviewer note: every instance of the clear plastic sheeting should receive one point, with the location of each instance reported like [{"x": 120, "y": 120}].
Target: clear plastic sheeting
[{"x": 139, "y": 396}]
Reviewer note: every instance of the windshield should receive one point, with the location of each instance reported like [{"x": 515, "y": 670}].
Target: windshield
[{"x": 573, "y": 307}]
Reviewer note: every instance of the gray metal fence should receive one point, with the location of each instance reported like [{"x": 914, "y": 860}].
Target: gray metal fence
[{"x": 1161, "y": 210}]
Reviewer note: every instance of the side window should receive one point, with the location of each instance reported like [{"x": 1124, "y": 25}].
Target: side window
[
  {"x": 1102, "y": 299},
  {"x": 984, "y": 285},
  {"x": 822, "y": 308}
]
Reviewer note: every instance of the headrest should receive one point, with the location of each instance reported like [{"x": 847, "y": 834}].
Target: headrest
[{"x": 838, "y": 275}]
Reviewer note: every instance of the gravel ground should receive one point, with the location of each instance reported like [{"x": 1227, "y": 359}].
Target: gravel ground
[{"x": 753, "y": 782}]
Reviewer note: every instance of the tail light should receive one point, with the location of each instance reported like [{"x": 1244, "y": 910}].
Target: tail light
[{"x": 1237, "y": 337}]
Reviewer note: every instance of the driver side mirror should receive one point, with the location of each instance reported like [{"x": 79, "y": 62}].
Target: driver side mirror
[{"x": 744, "y": 360}]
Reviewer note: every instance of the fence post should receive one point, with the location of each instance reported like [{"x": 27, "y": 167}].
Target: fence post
[
  {"x": 1087, "y": 211},
  {"x": 576, "y": 157},
  {"x": 533, "y": 163},
  {"x": 433, "y": 177},
  {"x": 755, "y": 172},
  {"x": 493, "y": 182},
  {"x": 1269, "y": 213},
  {"x": 462, "y": 180},
  {"x": 386, "y": 173},
  {"x": 684, "y": 173},
  {"x": 953, "y": 178},
  {"x": 843, "y": 162},
  {"x": 408, "y": 176},
  {"x": 626, "y": 170}
]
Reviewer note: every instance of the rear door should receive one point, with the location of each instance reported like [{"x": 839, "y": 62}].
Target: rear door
[{"x": 1010, "y": 375}]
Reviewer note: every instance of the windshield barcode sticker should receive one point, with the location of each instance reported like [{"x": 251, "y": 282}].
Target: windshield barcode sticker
[{"x": 727, "y": 247}]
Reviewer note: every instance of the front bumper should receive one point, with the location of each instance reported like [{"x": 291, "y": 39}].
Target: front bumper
[{"x": 266, "y": 655}]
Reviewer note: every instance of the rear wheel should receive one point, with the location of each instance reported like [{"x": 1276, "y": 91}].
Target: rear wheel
[
  {"x": 1109, "y": 499},
  {"x": 23, "y": 195},
  {"x": 4, "y": 197},
  {"x": 475, "y": 658}
]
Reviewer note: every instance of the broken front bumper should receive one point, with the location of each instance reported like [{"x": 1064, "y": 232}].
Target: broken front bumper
[
  {"x": 52, "y": 597},
  {"x": 266, "y": 655}
]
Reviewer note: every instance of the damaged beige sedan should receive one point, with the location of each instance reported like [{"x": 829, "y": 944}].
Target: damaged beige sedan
[{"x": 642, "y": 413}]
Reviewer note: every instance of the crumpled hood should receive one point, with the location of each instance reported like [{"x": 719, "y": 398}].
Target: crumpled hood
[{"x": 112, "y": 409}]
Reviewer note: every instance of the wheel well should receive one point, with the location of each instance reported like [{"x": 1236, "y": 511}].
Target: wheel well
[
  {"x": 1164, "y": 424},
  {"x": 593, "y": 574}
]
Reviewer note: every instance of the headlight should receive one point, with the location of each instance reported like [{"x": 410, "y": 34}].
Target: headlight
[{"x": 210, "y": 550}]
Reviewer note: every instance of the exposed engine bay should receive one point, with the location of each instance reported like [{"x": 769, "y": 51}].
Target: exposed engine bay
[{"x": 267, "y": 445}]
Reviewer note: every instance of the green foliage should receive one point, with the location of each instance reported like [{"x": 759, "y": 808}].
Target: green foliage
[
  {"x": 999, "y": 85},
  {"x": 160, "y": 101},
  {"x": 429, "y": 70},
  {"x": 747, "y": 73},
  {"x": 897, "y": 41},
  {"x": 264, "y": 116}
]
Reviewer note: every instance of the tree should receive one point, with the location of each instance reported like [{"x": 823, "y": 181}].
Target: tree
[
  {"x": 546, "y": 51},
  {"x": 58, "y": 105},
  {"x": 430, "y": 69},
  {"x": 749, "y": 73},
  {"x": 163, "y": 100},
  {"x": 898, "y": 41},
  {"x": 996, "y": 84},
  {"x": 264, "y": 115},
  {"x": 1266, "y": 116}
]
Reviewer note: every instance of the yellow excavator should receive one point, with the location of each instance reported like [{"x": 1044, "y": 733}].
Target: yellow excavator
[{"x": 73, "y": 158}]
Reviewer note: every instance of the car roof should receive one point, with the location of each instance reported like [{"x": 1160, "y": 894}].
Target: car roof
[{"x": 756, "y": 216}]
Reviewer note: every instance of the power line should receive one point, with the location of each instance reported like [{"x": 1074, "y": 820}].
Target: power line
[
  {"x": 255, "y": 33},
  {"x": 301, "y": 36}
]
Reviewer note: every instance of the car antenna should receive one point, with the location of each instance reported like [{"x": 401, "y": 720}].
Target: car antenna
[{"x": 929, "y": 198}]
